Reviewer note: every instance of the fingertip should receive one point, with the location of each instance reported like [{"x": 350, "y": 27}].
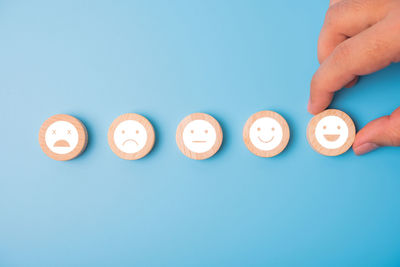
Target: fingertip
[{"x": 364, "y": 148}]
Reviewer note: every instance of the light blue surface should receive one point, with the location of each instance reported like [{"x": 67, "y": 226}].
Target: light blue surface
[{"x": 166, "y": 59}]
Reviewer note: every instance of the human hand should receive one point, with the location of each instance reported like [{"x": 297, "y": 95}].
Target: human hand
[{"x": 358, "y": 37}]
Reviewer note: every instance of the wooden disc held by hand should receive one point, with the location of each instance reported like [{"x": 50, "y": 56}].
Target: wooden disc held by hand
[
  {"x": 331, "y": 132},
  {"x": 63, "y": 137}
]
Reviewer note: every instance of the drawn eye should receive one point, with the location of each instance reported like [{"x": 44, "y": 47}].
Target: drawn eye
[
  {"x": 258, "y": 129},
  {"x": 123, "y": 132},
  {"x": 191, "y": 131},
  {"x": 54, "y": 132},
  {"x": 137, "y": 131},
  {"x": 324, "y": 127},
  {"x": 206, "y": 131},
  {"x": 338, "y": 127},
  {"x": 273, "y": 129},
  {"x": 69, "y": 132}
]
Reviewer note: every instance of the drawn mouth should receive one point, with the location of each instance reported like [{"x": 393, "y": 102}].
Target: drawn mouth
[
  {"x": 130, "y": 140},
  {"x": 331, "y": 137},
  {"x": 199, "y": 141},
  {"x": 61, "y": 143},
  {"x": 265, "y": 142}
]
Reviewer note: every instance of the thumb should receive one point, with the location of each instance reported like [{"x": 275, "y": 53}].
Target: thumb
[{"x": 384, "y": 131}]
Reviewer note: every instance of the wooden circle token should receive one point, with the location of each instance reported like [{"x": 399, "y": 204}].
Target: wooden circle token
[
  {"x": 199, "y": 136},
  {"x": 266, "y": 134},
  {"x": 131, "y": 136},
  {"x": 331, "y": 132},
  {"x": 63, "y": 137}
]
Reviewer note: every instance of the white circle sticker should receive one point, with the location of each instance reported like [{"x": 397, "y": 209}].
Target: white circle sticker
[
  {"x": 266, "y": 133},
  {"x": 130, "y": 136},
  {"x": 61, "y": 137},
  {"x": 332, "y": 132},
  {"x": 199, "y": 136}
]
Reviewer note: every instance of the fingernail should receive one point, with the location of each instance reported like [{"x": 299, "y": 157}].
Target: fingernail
[{"x": 365, "y": 148}]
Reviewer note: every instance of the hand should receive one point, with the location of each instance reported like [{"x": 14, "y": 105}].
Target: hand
[{"x": 358, "y": 37}]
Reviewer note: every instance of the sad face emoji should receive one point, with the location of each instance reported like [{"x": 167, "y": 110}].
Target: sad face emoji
[
  {"x": 199, "y": 136},
  {"x": 63, "y": 137},
  {"x": 131, "y": 136},
  {"x": 266, "y": 133},
  {"x": 331, "y": 132}
]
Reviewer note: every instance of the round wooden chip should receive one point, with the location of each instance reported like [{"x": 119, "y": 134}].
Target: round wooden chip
[
  {"x": 266, "y": 133},
  {"x": 131, "y": 136},
  {"x": 331, "y": 132},
  {"x": 199, "y": 136},
  {"x": 63, "y": 137}
]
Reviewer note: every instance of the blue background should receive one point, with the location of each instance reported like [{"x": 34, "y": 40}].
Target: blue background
[{"x": 166, "y": 59}]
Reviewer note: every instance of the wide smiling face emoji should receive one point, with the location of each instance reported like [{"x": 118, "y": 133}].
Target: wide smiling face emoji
[
  {"x": 130, "y": 136},
  {"x": 266, "y": 133},
  {"x": 332, "y": 132},
  {"x": 61, "y": 137},
  {"x": 199, "y": 136}
]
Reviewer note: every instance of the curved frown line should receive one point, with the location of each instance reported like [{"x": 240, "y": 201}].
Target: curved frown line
[
  {"x": 130, "y": 140},
  {"x": 265, "y": 142}
]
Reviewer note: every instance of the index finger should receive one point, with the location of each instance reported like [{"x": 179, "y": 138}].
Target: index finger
[{"x": 367, "y": 52}]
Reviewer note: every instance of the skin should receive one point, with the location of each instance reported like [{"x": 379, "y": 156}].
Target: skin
[{"x": 358, "y": 37}]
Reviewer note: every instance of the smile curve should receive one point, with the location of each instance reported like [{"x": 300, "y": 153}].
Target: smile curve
[
  {"x": 265, "y": 142},
  {"x": 331, "y": 137},
  {"x": 130, "y": 140},
  {"x": 199, "y": 141},
  {"x": 61, "y": 143}
]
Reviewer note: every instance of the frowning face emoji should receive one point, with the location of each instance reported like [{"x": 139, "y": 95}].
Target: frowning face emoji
[
  {"x": 131, "y": 136},
  {"x": 266, "y": 133},
  {"x": 63, "y": 137},
  {"x": 331, "y": 132},
  {"x": 199, "y": 136}
]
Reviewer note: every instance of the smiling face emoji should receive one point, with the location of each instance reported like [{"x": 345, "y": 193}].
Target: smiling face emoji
[
  {"x": 131, "y": 136},
  {"x": 199, "y": 136},
  {"x": 266, "y": 133},
  {"x": 331, "y": 132},
  {"x": 63, "y": 137}
]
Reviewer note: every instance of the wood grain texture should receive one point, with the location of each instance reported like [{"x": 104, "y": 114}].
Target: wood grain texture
[
  {"x": 285, "y": 134},
  {"x": 150, "y": 136},
  {"x": 185, "y": 150},
  {"x": 326, "y": 151},
  {"x": 82, "y": 137}
]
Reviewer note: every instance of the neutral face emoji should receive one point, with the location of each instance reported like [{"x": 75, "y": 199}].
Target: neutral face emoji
[
  {"x": 61, "y": 137},
  {"x": 199, "y": 136},
  {"x": 332, "y": 132},
  {"x": 266, "y": 133},
  {"x": 130, "y": 136}
]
